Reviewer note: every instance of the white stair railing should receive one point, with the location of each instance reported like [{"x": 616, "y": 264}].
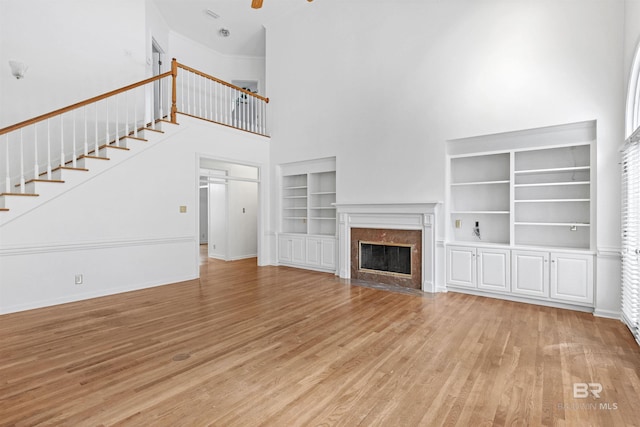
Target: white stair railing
[
  {"x": 35, "y": 149},
  {"x": 209, "y": 98}
]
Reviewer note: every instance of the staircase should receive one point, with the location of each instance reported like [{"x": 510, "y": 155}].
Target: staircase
[
  {"x": 46, "y": 187},
  {"x": 47, "y": 156}
]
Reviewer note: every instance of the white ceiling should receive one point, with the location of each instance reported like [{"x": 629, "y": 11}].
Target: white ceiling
[{"x": 245, "y": 24}]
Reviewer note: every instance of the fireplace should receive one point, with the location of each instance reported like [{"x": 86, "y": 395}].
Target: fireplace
[
  {"x": 400, "y": 225},
  {"x": 390, "y": 259},
  {"x": 387, "y": 256}
]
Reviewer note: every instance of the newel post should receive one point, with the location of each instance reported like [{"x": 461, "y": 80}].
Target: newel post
[{"x": 174, "y": 78}]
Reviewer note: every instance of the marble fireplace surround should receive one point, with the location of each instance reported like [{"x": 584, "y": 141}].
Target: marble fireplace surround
[{"x": 394, "y": 216}]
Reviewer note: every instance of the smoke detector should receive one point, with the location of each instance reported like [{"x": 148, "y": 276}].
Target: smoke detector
[{"x": 224, "y": 32}]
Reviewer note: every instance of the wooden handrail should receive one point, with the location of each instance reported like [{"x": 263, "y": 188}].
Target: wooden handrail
[
  {"x": 174, "y": 109},
  {"x": 207, "y": 76},
  {"x": 82, "y": 103}
]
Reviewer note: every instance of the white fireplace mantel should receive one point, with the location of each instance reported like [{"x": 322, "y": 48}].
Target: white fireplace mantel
[{"x": 399, "y": 216}]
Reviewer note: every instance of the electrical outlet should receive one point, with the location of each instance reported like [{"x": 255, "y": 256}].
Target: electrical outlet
[
  {"x": 458, "y": 223},
  {"x": 79, "y": 279},
  {"x": 183, "y": 209}
]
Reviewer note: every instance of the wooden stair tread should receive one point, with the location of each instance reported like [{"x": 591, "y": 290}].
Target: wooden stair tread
[
  {"x": 134, "y": 137},
  {"x": 4, "y": 210},
  {"x": 113, "y": 146},
  {"x": 57, "y": 181},
  {"x": 70, "y": 169},
  {"x": 93, "y": 157},
  {"x": 64, "y": 168},
  {"x": 19, "y": 194},
  {"x": 153, "y": 130}
]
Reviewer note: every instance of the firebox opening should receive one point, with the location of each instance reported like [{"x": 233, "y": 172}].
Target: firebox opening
[{"x": 385, "y": 258}]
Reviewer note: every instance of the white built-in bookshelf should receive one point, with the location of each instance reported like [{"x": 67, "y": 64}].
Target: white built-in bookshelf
[
  {"x": 520, "y": 210},
  {"x": 308, "y": 203},
  {"x": 307, "y": 235}
]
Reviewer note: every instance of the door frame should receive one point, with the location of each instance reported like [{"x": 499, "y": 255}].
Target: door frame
[{"x": 260, "y": 214}]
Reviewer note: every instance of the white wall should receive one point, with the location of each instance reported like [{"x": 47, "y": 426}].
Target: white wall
[
  {"x": 389, "y": 84},
  {"x": 122, "y": 229},
  {"x": 75, "y": 49}
]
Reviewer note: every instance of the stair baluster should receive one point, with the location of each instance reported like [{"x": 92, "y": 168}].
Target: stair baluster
[
  {"x": 7, "y": 183},
  {"x": 48, "y": 148},
  {"x": 36, "y": 167}
]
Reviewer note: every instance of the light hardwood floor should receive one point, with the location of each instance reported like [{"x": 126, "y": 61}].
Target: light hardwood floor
[{"x": 278, "y": 346}]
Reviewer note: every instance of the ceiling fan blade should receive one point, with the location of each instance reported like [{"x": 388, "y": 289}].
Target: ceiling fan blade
[{"x": 256, "y": 4}]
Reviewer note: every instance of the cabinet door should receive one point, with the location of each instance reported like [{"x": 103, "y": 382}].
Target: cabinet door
[
  {"x": 494, "y": 269},
  {"x": 314, "y": 251},
  {"x": 461, "y": 266},
  {"x": 291, "y": 249},
  {"x": 328, "y": 259},
  {"x": 530, "y": 273},
  {"x": 572, "y": 277},
  {"x": 298, "y": 255},
  {"x": 285, "y": 249}
]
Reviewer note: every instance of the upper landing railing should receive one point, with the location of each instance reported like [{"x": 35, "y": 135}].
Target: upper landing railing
[{"x": 34, "y": 148}]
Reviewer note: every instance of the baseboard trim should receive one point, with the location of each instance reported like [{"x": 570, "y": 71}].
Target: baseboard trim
[
  {"x": 609, "y": 314},
  {"x": 525, "y": 300},
  {"x": 97, "y": 294}
]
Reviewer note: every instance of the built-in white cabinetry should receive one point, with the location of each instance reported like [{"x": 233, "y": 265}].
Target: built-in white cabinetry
[
  {"x": 494, "y": 269},
  {"x": 479, "y": 268},
  {"x": 527, "y": 197},
  {"x": 307, "y": 235},
  {"x": 571, "y": 277},
  {"x": 531, "y": 273},
  {"x": 313, "y": 252},
  {"x": 461, "y": 266}
]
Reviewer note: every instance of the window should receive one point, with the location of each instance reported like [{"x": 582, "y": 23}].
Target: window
[
  {"x": 631, "y": 234},
  {"x": 631, "y": 205}
]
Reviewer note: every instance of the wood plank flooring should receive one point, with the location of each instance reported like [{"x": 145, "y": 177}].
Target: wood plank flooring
[{"x": 276, "y": 346}]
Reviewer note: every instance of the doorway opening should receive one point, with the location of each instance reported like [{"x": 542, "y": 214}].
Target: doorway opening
[
  {"x": 229, "y": 209},
  {"x": 156, "y": 67}
]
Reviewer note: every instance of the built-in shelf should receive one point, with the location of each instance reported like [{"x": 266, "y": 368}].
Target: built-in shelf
[
  {"x": 552, "y": 184},
  {"x": 480, "y": 183},
  {"x": 482, "y": 212},
  {"x": 554, "y": 224},
  {"x": 308, "y": 198},
  {"x": 551, "y": 200},
  {"x": 522, "y": 194},
  {"x": 552, "y": 170}
]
